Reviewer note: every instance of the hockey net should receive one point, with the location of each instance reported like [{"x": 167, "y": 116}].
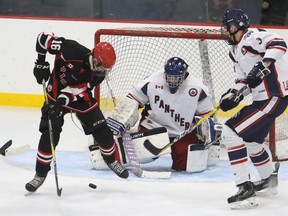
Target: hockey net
[{"x": 144, "y": 50}]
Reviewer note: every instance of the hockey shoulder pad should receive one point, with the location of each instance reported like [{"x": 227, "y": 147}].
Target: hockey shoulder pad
[{"x": 43, "y": 42}]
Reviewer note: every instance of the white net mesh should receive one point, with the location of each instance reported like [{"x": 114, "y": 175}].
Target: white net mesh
[{"x": 139, "y": 56}]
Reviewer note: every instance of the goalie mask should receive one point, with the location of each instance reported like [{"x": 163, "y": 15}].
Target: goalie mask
[
  {"x": 232, "y": 22},
  {"x": 102, "y": 59},
  {"x": 175, "y": 73}
]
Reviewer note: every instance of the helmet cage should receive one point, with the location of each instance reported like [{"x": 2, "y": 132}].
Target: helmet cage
[
  {"x": 175, "y": 72},
  {"x": 174, "y": 81}
]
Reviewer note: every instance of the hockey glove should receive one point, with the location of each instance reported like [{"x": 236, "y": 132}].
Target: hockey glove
[
  {"x": 230, "y": 99},
  {"x": 257, "y": 74},
  {"x": 115, "y": 126},
  {"x": 41, "y": 71},
  {"x": 55, "y": 110}
]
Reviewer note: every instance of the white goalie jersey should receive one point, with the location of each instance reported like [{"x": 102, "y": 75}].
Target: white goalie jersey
[{"x": 172, "y": 111}]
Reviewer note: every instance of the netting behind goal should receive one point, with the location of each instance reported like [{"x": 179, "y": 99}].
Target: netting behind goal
[{"x": 142, "y": 51}]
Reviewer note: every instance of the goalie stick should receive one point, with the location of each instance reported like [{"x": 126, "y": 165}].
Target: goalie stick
[
  {"x": 131, "y": 153},
  {"x": 154, "y": 150},
  {"x": 5, "y": 147},
  {"x": 136, "y": 169}
]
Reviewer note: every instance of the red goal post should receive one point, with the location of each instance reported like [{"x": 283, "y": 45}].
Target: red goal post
[{"x": 143, "y": 50}]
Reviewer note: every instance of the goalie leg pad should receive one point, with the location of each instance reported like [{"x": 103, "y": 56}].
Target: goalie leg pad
[
  {"x": 96, "y": 158},
  {"x": 197, "y": 158},
  {"x": 213, "y": 154}
]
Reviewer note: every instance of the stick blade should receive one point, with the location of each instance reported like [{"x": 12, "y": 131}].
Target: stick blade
[
  {"x": 17, "y": 150},
  {"x": 151, "y": 148},
  {"x": 5, "y": 146},
  {"x": 59, "y": 191},
  {"x": 155, "y": 174}
]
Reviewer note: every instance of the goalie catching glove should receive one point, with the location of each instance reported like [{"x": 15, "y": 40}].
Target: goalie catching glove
[
  {"x": 257, "y": 74},
  {"x": 230, "y": 99},
  {"x": 124, "y": 116}
]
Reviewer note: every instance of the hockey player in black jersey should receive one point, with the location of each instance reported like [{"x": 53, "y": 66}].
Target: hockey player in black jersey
[{"x": 77, "y": 71}]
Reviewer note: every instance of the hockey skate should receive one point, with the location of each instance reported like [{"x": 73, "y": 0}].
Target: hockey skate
[
  {"x": 268, "y": 185},
  {"x": 118, "y": 169},
  {"x": 35, "y": 183},
  {"x": 244, "y": 198}
]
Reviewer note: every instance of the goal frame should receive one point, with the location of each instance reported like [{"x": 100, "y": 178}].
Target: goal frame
[{"x": 185, "y": 33}]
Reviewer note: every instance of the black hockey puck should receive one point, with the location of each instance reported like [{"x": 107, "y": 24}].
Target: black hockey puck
[{"x": 91, "y": 185}]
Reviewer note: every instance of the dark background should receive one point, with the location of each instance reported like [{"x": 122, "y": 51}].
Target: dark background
[{"x": 196, "y": 11}]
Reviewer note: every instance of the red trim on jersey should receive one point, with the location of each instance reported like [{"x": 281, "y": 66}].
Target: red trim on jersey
[
  {"x": 278, "y": 83},
  {"x": 77, "y": 110},
  {"x": 49, "y": 43}
]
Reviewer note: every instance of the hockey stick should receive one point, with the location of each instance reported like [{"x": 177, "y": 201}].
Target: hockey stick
[
  {"x": 59, "y": 190},
  {"x": 110, "y": 90},
  {"x": 131, "y": 153},
  {"x": 6, "y": 151},
  {"x": 5, "y": 147},
  {"x": 16, "y": 150},
  {"x": 132, "y": 156},
  {"x": 154, "y": 150}
]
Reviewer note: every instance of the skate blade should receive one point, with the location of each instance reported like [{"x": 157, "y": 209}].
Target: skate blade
[{"x": 245, "y": 204}]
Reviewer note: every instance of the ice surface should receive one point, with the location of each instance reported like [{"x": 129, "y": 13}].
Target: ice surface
[{"x": 183, "y": 194}]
